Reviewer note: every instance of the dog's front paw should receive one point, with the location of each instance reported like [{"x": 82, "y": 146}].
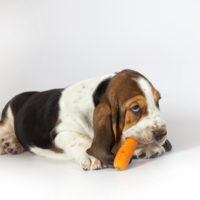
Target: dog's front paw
[
  {"x": 140, "y": 153},
  {"x": 155, "y": 150},
  {"x": 90, "y": 163},
  {"x": 149, "y": 151}
]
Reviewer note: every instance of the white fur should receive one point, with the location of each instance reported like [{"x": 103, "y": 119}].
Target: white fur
[
  {"x": 7, "y": 128},
  {"x": 143, "y": 130}
]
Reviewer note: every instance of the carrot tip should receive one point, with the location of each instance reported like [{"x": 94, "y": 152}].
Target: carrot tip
[
  {"x": 124, "y": 154},
  {"x": 118, "y": 169}
]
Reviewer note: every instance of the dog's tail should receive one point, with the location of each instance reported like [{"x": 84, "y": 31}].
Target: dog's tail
[{"x": 48, "y": 153}]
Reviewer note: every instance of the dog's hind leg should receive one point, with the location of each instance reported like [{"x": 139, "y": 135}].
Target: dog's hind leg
[{"x": 8, "y": 140}]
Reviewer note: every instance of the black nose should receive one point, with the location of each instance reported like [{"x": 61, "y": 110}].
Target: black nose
[{"x": 158, "y": 135}]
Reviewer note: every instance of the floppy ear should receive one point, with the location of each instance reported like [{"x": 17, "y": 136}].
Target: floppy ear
[
  {"x": 117, "y": 119},
  {"x": 103, "y": 134},
  {"x": 108, "y": 122}
]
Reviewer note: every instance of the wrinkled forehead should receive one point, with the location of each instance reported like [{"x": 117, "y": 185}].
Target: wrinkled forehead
[{"x": 128, "y": 84}]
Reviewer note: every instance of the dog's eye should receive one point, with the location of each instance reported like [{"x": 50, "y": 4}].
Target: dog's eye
[
  {"x": 136, "y": 110},
  {"x": 157, "y": 104}
]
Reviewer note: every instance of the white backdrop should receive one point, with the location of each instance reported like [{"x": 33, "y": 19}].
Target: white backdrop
[{"x": 47, "y": 44}]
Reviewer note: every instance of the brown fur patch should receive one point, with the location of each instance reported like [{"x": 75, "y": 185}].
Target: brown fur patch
[
  {"x": 156, "y": 95},
  {"x": 3, "y": 121}
]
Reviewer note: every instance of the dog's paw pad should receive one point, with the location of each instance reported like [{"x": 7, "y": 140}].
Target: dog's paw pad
[{"x": 91, "y": 163}]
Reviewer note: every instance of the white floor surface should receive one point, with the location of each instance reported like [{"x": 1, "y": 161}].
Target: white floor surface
[{"x": 174, "y": 175}]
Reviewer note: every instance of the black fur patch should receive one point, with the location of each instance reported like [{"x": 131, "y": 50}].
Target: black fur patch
[
  {"x": 100, "y": 90},
  {"x": 35, "y": 115},
  {"x": 18, "y": 101},
  {"x": 118, "y": 115}
]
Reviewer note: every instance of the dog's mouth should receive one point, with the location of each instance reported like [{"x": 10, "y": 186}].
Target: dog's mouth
[
  {"x": 144, "y": 141},
  {"x": 140, "y": 141}
]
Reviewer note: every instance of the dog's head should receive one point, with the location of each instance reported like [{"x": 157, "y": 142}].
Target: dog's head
[{"x": 129, "y": 107}]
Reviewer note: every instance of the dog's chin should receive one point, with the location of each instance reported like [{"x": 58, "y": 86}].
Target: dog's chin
[
  {"x": 148, "y": 139},
  {"x": 141, "y": 142}
]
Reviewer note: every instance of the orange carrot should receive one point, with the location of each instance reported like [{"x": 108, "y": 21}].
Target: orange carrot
[{"x": 125, "y": 153}]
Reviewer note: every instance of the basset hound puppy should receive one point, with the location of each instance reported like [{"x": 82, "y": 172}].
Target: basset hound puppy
[{"x": 86, "y": 122}]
